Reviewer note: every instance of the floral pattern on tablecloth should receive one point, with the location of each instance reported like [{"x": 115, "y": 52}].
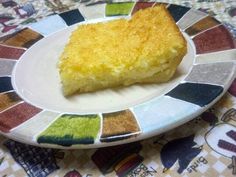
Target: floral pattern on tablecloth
[{"x": 193, "y": 149}]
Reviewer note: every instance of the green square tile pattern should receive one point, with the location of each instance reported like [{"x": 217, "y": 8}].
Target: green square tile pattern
[
  {"x": 116, "y": 9},
  {"x": 72, "y": 129}
]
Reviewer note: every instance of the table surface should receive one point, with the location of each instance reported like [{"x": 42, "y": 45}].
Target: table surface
[{"x": 184, "y": 151}]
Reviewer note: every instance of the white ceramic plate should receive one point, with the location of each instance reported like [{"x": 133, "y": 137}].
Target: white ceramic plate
[{"x": 34, "y": 111}]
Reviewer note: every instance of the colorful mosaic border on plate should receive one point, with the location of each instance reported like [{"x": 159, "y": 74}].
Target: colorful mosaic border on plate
[{"x": 211, "y": 75}]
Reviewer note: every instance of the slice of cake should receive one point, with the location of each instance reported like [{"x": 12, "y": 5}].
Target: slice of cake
[{"x": 144, "y": 49}]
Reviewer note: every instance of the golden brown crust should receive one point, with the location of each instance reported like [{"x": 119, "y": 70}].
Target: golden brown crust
[{"x": 146, "y": 48}]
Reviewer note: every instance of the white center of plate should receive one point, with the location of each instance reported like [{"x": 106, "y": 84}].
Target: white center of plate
[{"x": 36, "y": 80}]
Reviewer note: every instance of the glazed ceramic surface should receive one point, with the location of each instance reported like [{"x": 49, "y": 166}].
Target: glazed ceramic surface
[{"x": 34, "y": 111}]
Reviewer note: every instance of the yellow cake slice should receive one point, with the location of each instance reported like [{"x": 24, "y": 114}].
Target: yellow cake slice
[{"x": 144, "y": 49}]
